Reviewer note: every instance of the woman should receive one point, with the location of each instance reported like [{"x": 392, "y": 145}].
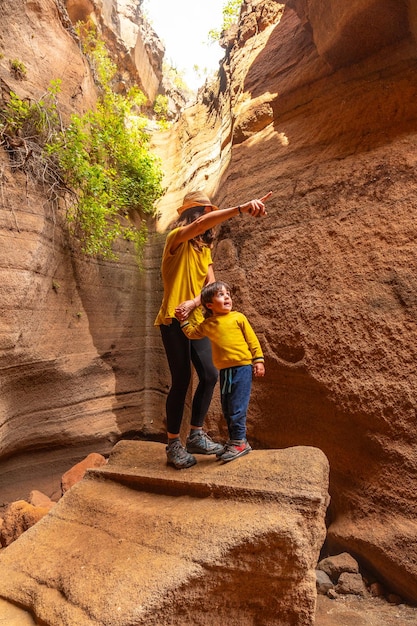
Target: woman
[{"x": 186, "y": 267}]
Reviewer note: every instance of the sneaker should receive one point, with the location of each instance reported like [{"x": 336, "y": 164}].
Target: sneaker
[
  {"x": 220, "y": 452},
  {"x": 201, "y": 443},
  {"x": 234, "y": 449},
  {"x": 178, "y": 457}
]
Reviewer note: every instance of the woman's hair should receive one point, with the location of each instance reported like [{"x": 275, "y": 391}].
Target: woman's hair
[
  {"x": 208, "y": 292},
  {"x": 189, "y": 216}
]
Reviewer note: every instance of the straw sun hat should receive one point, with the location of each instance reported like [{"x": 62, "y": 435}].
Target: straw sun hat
[{"x": 196, "y": 198}]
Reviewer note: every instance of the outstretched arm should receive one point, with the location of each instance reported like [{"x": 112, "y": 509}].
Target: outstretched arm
[{"x": 256, "y": 208}]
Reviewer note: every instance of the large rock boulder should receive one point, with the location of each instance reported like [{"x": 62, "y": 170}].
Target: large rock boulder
[{"x": 136, "y": 542}]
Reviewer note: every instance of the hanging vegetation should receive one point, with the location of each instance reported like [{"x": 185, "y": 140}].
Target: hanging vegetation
[{"x": 100, "y": 163}]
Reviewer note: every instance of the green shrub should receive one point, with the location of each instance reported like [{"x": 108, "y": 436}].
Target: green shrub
[
  {"x": 36, "y": 121},
  {"x": 105, "y": 158},
  {"x": 17, "y": 69},
  {"x": 101, "y": 162},
  {"x": 160, "y": 106},
  {"x": 231, "y": 11}
]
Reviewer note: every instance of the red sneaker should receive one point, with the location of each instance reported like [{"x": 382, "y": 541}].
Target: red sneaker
[{"x": 234, "y": 449}]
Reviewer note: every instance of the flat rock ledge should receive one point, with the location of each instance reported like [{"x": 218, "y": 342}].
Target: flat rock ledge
[{"x": 137, "y": 542}]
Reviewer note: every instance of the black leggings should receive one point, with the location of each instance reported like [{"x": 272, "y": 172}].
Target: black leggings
[{"x": 181, "y": 352}]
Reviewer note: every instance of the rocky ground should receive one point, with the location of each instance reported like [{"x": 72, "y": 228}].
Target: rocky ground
[{"x": 354, "y": 611}]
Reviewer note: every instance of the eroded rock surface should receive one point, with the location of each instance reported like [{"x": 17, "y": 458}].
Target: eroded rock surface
[
  {"x": 73, "y": 351},
  {"x": 136, "y": 542},
  {"x": 323, "y": 112}
]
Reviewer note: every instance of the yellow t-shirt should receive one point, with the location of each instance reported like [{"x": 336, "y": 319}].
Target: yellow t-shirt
[{"x": 184, "y": 274}]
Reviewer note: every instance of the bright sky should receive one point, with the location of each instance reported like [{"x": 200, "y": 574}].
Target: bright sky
[{"x": 183, "y": 27}]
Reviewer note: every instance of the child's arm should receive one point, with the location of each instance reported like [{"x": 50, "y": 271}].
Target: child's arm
[
  {"x": 184, "y": 309},
  {"x": 192, "y": 332},
  {"x": 254, "y": 347}
]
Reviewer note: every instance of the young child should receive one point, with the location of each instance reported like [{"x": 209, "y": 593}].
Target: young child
[{"x": 236, "y": 353}]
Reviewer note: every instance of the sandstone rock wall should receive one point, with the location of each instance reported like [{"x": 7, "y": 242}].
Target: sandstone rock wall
[
  {"x": 135, "y": 47},
  {"x": 329, "y": 277},
  {"x": 72, "y": 331},
  {"x": 323, "y": 111}
]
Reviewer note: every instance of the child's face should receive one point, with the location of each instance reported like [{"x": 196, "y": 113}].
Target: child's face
[{"x": 222, "y": 302}]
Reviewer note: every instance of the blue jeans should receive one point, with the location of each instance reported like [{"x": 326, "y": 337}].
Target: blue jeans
[{"x": 235, "y": 389}]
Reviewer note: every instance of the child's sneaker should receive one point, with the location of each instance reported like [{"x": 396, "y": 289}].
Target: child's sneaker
[
  {"x": 234, "y": 449},
  {"x": 178, "y": 457},
  {"x": 201, "y": 443}
]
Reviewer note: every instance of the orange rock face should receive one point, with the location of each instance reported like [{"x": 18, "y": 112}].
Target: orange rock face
[
  {"x": 328, "y": 277},
  {"x": 322, "y": 110}
]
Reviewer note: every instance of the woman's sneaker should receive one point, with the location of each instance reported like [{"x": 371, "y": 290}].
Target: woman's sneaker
[
  {"x": 201, "y": 443},
  {"x": 178, "y": 457},
  {"x": 234, "y": 449}
]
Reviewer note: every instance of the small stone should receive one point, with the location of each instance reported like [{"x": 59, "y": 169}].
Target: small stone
[
  {"x": 18, "y": 517},
  {"x": 351, "y": 584},
  {"x": 323, "y": 582},
  {"x": 37, "y": 498},
  {"x": 77, "y": 472},
  {"x": 392, "y": 598},
  {"x": 332, "y": 594},
  {"x": 333, "y": 566},
  {"x": 377, "y": 590}
]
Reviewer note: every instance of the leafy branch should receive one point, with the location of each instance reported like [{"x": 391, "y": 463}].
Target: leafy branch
[
  {"x": 100, "y": 163},
  {"x": 231, "y": 11}
]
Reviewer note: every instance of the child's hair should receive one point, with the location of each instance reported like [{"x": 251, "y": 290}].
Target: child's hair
[{"x": 208, "y": 292}]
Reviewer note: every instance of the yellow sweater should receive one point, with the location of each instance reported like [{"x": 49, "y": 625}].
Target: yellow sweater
[
  {"x": 232, "y": 339},
  {"x": 184, "y": 274}
]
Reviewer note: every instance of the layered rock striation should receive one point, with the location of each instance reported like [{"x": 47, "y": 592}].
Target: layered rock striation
[{"x": 73, "y": 361}]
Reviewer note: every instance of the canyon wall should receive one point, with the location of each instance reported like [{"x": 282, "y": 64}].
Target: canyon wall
[
  {"x": 316, "y": 101},
  {"x": 73, "y": 349}
]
